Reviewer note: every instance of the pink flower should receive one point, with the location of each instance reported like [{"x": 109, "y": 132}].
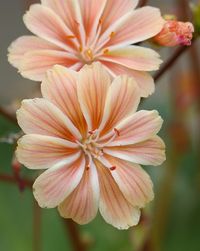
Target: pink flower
[
  {"x": 73, "y": 33},
  {"x": 175, "y": 33},
  {"x": 86, "y": 133}
]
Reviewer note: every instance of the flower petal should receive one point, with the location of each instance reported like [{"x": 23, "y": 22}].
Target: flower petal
[
  {"x": 39, "y": 116},
  {"x": 35, "y": 63},
  {"x": 137, "y": 128},
  {"x": 114, "y": 10},
  {"x": 91, "y": 12},
  {"x": 60, "y": 87},
  {"x": 54, "y": 185},
  {"x": 133, "y": 181},
  {"x": 45, "y": 23},
  {"x": 26, "y": 44},
  {"x": 113, "y": 206},
  {"x": 148, "y": 152},
  {"x": 134, "y": 57},
  {"x": 93, "y": 84},
  {"x": 41, "y": 152},
  {"x": 134, "y": 27},
  {"x": 69, "y": 11},
  {"x": 82, "y": 204},
  {"x": 143, "y": 79},
  {"x": 122, "y": 99}
]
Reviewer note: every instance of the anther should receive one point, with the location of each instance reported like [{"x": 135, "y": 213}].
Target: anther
[
  {"x": 81, "y": 48},
  {"x": 87, "y": 167},
  {"x": 91, "y": 132},
  {"x": 112, "y": 34},
  {"x": 89, "y": 54},
  {"x": 101, "y": 20},
  {"x": 71, "y": 36},
  {"x": 117, "y": 131},
  {"x": 112, "y": 168},
  {"x": 106, "y": 51}
]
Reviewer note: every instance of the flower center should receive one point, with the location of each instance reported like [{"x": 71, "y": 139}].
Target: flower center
[{"x": 86, "y": 55}]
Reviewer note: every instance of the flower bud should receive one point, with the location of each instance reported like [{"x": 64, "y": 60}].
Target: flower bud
[{"x": 175, "y": 33}]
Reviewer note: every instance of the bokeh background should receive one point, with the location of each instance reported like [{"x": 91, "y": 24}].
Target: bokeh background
[{"x": 171, "y": 222}]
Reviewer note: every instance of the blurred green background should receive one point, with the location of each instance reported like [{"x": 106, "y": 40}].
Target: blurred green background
[{"x": 171, "y": 222}]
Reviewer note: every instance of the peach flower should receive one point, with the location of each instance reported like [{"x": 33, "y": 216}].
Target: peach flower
[
  {"x": 73, "y": 33},
  {"x": 86, "y": 132}
]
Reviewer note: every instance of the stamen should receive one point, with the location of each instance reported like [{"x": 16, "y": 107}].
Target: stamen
[
  {"x": 71, "y": 36},
  {"x": 91, "y": 132},
  {"x": 117, "y": 131},
  {"x": 112, "y": 34},
  {"x": 89, "y": 54},
  {"x": 106, "y": 51},
  {"x": 112, "y": 168},
  {"x": 100, "y": 20},
  {"x": 81, "y": 48},
  {"x": 87, "y": 167}
]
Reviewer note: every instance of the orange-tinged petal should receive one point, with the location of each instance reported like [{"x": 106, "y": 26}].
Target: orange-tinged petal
[
  {"x": 148, "y": 152},
  {"x": 122, "y": 99},
  {"x": 25, "y": 44},
  {"x": 93, "y": 84},
  {"x": 133, "y": 27},
  {"x": 60, "y": 87},
  {"x": 54, "y": 185},
  {"x": 39, "y": 116},
  {"x": 133, "y": 181},
  {"x": 113, "y": 206},
  {"x": 45, "y": 23},
  {"x": 82, "y": 204},
  {"x": 114, "y": 10},
  {"x": 69, "y": 11},
  {"x": 40, "y": 151},
  {"x": 35, "y": 63},
  {"x": 144, "y": 80},
  {"x": 134, "y": 57},
  {"x": 91, "y": 12},
  {"x": 137, "y": 128}
]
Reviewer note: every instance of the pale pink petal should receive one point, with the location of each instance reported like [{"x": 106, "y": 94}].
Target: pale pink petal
[
  {"x": 91, "y": 12},
  {"x": 82, "y": 204},
  {"x": 39, "y": 116},
  {"x": 40, "y": 152},
  {"x": 54, "y": 185},
  {"x": 148, "y": 152},
  {"x": 69, "y": 11},
  {"x": 45, "y": 23},
  {"x": 114, "y": 10},
  {"x": 133, "y": 27},
  {"x": 60, "y": 87},
  {"x": 26, "y": 44},
  {"x": 134, "y": 57},
  {"x": 122, "y": 100},
  {"x": 93, "y": 84},
  {"x": 35, "y": 63},
  {"x": 143, "y": 79},
  {"x": 113, "y": 206},
  {"x": 137, "y": 128},
  {"x": 133, "y": 181}
]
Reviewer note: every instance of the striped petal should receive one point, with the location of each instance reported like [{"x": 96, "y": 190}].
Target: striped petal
[
  {"x": 134, "y": 57},
  {"x": 45, "y": 23},
  {"x": 60, "y": 87},
  {"x": 137, "y": 128},
  {"x": 93, "y": 84},
  {"x": 122, "y": 100},
  {"x": 133, "y": 181},
  {"x": 39, "y": 116},
  {"x": 41, "y": 152},
  {"x": 35, "y": 63},
  {"x": 148, "y": 152},
  {"x": 54, "y": 185},
  {"x": 144, "y": 80},
  {"x": 134, "y": 27},
  {"x": 113, "y": 206},
  {"x": 82, "y": 204},
  {"x": 114, "y": 10},
  {"x": 25, "y": 44}
]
